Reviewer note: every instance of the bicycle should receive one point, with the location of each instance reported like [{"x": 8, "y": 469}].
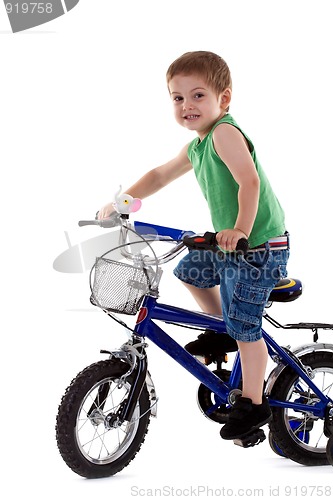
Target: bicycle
[{"x": 103, "y": 417}]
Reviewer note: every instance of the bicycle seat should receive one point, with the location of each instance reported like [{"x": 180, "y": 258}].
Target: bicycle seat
[{"x": 286, "y": 290}]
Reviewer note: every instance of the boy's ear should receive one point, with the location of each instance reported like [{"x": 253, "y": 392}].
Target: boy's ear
[{"x": 225, "y": 98}]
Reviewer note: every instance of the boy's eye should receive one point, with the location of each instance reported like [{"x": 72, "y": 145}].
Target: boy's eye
[
  {"x": 198, "y": 95},
  {"x": 178, "y": 98}
]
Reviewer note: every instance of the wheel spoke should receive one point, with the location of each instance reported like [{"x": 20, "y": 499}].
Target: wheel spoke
[
  {"x": 313, "y": 438},
  {"x": 111, "y": 441}
]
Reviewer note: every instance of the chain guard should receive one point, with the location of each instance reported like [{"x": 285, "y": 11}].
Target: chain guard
[{"x": 207, "y": 399}]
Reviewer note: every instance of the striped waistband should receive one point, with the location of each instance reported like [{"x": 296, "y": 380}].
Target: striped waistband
[{"x": 278, "y": 243}]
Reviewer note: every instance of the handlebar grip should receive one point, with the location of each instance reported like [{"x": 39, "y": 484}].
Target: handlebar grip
[
  {"x": 242, "y": 246},
  {"x": 88, "y": 223},
  {"x": 208, "y": 242},
  {"x": 112, "y": 221},
  {"x": 205, "y": 242}
]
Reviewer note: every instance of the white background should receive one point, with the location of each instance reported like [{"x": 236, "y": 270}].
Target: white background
[{"x": 84, "y": 108}]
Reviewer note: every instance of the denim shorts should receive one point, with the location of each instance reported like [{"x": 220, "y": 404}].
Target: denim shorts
[{"x": 245, "y": 284}]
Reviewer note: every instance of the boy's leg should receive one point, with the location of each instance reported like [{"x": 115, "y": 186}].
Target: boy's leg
[
  {"x": 198, "y": 273},
  {"x": 254, "y": 357},
  {"x": 209, "y": 344},
  {"x": 208, "y": 299},
  {"x": 251, "y": 410},
  {"x": 245, "y": 298}
]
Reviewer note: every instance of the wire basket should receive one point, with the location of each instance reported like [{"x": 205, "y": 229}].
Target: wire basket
[{"x": 118, "y": 287}]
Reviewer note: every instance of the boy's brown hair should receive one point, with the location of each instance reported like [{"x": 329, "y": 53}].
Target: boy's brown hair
[{"x": 208, "y": 65}]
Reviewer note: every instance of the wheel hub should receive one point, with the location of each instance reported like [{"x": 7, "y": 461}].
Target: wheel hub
[
  {"x": 96, "y": 417},
  {"x": 112, "y": 421}
]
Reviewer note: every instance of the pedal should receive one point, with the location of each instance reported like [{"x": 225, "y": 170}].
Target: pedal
[{"x": 256, "y": 437}]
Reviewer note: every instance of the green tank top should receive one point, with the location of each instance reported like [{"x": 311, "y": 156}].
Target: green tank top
[{"x": 221, "y": 190}]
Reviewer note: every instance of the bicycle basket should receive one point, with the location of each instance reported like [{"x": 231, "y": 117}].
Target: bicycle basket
[{"x": 118, "y": 287}]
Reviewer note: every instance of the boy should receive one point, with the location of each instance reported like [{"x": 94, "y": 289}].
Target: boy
[{"x": 242, "y": 205}]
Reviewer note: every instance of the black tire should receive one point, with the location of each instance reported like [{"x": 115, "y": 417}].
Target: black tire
[
  {"x": 87, "y": 443},
  {"x": 289, "y": 438},
  {"x": 329, "y": 450}
]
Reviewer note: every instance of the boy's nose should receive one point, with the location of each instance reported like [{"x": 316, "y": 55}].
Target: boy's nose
[{"x": 187, "y": 105}]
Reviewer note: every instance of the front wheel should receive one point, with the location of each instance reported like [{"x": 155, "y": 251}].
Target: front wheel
[
  {"x": 87, "y": 438},
  {"x": 300, "y": 435}
]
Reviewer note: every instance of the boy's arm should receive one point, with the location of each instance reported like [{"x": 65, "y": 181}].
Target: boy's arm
[
  {"x": 232, "y": 148},
  {"x": 154, "y": 180}
]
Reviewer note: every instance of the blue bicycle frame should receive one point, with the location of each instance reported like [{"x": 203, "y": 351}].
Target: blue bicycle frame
[{"x": 146, "y": 327}]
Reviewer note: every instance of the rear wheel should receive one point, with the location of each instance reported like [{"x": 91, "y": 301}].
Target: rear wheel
[
  {"x": 88, "y": 437},
  {"x": 300, "y": 435},
  {"x": 329, "y": 450}
]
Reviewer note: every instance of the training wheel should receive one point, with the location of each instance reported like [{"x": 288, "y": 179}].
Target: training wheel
[{"x": 274, "y": 446}]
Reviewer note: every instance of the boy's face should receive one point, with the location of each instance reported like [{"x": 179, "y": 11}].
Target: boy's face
[{"x": 196, "y": 105}]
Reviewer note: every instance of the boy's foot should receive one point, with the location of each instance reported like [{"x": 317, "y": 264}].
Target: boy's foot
[
  {"x": 245, "y": 418},
  {"x": 210, "y": 342}
]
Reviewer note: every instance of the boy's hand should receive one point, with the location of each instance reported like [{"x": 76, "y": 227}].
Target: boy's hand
[
  {"x": 228, "y": 239},
  {"x": 105, "y": 211}
]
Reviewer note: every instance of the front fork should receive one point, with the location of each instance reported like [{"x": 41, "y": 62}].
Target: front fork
[
  {"x": 135, "y": 356},
  {"x": 139, "y": 378}
]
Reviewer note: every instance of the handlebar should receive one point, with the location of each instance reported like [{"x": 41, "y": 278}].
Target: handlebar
[{"x": 188, "y": 239}]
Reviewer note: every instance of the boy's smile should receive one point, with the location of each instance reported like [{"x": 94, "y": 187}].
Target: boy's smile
[
  {"x": 196, "y": 105},
  {"x": 191, "y": 117}
]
